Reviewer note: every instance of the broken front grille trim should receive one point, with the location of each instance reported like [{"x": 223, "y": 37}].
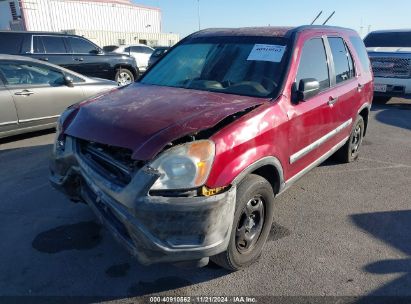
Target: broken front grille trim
[{"x": 110, "y": 168}]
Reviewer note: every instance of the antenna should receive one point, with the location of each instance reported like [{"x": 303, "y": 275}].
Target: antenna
[
  {"x": 315, "y": 19},
  {"x": 329, "y": 18}
]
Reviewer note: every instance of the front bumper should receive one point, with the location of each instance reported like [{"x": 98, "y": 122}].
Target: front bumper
[
  {"x": 395, "y": 87},
  {"x": 154, "y": 229}
]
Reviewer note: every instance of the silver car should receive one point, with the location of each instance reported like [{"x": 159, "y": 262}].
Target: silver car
[
  {"x": 140, "y": 52},
  {"x": 34, "y": 93}
]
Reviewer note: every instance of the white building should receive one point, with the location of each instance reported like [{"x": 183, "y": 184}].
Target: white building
[{"x": 106, "y": 22}]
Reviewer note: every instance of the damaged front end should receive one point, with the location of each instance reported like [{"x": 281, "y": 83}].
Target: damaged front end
[
  {"x": 140, "y": 158},
  {"x": 158, "y": 217}
]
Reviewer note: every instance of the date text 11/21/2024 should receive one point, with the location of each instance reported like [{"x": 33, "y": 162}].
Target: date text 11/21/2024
[{"x": 201, "y": 299}]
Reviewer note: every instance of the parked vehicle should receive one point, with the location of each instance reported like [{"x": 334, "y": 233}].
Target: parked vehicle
[
  {"x": 109, "y": 48},
  {"x": 72, "y": 52},
  {"x": 157, "y": 54},
  {"x": 140, "y": 52},
  {"x": 390, "y": 55},
  {"x": 34, "y": 93},
  {"x": 186, "y": 163}
]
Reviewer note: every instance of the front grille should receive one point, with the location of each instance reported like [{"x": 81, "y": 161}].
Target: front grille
[
  {"x": 113, "y": 163},
  {"x": 391, "y": 67}
]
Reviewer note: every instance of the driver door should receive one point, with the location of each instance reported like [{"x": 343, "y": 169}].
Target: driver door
[
  {"x": 311, "y": 120},
  {"x": 39, "y": 92}
]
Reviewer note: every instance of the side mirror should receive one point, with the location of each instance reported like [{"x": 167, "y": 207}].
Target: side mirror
[
  {"x": 68, "y": 81},
  {"x": 307, "y": 88},
  {"x": 96, "y": 52}
]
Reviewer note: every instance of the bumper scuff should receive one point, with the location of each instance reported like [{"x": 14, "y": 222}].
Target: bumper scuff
[{"x": 153, "y": 228}]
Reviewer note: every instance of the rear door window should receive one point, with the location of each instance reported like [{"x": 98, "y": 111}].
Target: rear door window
[
  {"x": 147, "y": 50},
  {"x": 141, "y": 49},
  {"x": 313, "y": 63},
  {"x": 343, "y": 62},
  {"x": 54, "y": 44}
]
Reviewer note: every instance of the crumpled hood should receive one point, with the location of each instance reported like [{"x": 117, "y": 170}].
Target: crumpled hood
[{"x": 145, "y": 118}]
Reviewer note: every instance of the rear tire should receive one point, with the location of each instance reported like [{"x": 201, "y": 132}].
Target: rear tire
[
  {"x": 350, "y": 151},
  {"x": 124, "y": 77},
  {"x": 253, "y": 218}
]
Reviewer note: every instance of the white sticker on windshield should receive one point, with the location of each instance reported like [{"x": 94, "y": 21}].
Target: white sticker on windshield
[{"x": 267, "y": 52}]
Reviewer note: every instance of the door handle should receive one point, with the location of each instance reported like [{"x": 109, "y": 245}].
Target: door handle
[
  {"x": 332, "y": 101},
  {"x": 79, "y": 59},
  {"x": 44, "y": 59},
  {"x": 360, "y": 87},
  {"x": 24, "y": 93}
]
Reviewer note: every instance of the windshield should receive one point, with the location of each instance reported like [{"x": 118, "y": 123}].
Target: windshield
[
  {"x": 391, "y": 39},
  {"x": 241, "y": 66}
]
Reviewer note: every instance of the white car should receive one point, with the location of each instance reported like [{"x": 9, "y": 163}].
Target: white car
[
  {"x": 140, "y": 52},
  {"x": 390, "y": 55}
]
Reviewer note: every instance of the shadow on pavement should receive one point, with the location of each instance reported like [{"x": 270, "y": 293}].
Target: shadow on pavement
[
  {"x": 390, "y": 115},
  {"x": 29, "y": 135},
  {"x": 393, "y": 228}
]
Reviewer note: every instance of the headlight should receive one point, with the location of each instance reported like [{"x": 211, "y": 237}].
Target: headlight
[
  {"x": 62, "y": 119},
  {"x": 60, "y": 140},
  {"x": 185, "y": 166}
]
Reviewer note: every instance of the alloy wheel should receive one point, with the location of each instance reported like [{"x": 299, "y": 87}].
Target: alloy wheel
[{"x": 124, "y": 79}]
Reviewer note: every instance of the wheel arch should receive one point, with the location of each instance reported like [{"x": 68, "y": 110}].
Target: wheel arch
[
  {"x": 135, "y": 71},
  {"x": 269, "y": 168},
  {"x": 364, "y": 112}
]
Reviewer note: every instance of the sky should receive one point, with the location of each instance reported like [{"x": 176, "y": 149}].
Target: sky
[{"x": 180, "y": 16}]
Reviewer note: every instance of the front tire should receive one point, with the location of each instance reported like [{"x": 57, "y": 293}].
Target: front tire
[
  {"x": 253, "y": 218},
  {"x": 124, "y": 77},
  {"x": 350, "y": 151}
]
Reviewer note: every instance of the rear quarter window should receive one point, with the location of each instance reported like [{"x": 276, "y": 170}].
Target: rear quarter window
[
  {"x": 362, "y": 54},
  {"x": 54, "y": 44},
  {"x": 10, "y": 43}
]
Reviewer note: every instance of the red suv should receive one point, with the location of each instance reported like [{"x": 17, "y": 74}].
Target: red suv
[{"x": 185, "y": 164}]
